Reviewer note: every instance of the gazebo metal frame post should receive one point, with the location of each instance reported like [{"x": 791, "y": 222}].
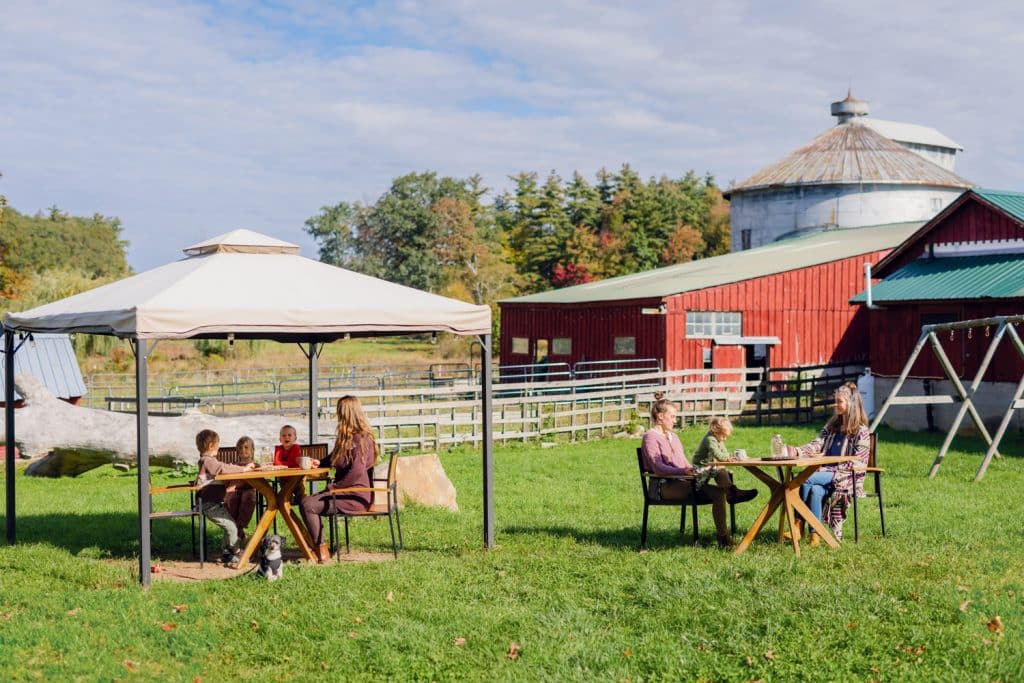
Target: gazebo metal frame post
[
  {"x": 142, "y": 348},
  {"x": 1004, "y": 327},
  {"x": 9, "y": 351},
  {"x": 312, "y": 354},
  {"x": 486, "y": 380}
]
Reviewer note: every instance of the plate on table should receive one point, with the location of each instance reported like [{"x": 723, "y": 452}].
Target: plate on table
[{"x": 268, "y": 468}]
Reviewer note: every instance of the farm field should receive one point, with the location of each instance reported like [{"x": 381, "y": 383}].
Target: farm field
[{"x": 564, "y": 596}]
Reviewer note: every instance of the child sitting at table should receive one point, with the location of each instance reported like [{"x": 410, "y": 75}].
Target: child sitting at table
[
  {"x": 711, "y": 450},
  {"x": 240, "y": 497},
  {"x": 212, "y": 492},
  {"x": 288, "y": 452}
]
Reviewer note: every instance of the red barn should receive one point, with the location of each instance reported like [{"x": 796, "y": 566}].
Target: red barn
[
  {"x": 966, "y": 263},
  {"x": 784, "y": 304}
]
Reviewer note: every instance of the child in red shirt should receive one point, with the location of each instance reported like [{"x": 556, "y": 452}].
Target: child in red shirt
[{"x": 287, "y": 452}]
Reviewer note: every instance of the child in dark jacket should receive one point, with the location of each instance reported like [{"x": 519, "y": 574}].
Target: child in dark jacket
[{"x": 212, "y": 492}]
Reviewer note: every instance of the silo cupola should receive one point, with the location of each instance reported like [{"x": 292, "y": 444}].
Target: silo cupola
[{"x": 849, "y": 108}]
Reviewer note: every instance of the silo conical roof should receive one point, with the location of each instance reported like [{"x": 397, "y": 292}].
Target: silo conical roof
[{"x": 851, "y": 153}]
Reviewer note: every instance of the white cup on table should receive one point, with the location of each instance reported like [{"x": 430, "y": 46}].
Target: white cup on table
[
  {"x": 306, "y": 462},
  {"x": 740, "y": 454}
]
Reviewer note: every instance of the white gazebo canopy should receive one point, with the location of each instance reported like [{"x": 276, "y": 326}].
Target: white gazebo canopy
[
  {"x": 246, "y": 285},
  {"x": 251, "y": 285}
]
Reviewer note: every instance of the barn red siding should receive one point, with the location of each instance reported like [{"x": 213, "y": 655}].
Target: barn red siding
[
  {"x": 591, "y": 327},
  {"x": 973, "y": 221},
  {"x": 896, "y": 328},
  {"x": 806, "y": 309}
]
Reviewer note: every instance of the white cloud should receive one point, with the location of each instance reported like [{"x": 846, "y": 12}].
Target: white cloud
[{"x": 187, "y": 122}]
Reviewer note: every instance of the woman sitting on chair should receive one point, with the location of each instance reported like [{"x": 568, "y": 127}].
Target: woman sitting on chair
[
  {"x": 354, "y": 455},
  {"x": 846, "y": 433},
  {"x": 663, "y": 455}
]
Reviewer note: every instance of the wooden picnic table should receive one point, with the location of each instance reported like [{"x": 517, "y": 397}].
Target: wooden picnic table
[
  {"x": 785, "y": 494},
  {"x": 278, "y": 503}
]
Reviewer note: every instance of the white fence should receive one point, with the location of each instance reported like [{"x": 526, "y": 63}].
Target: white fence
[{"x": 432, "y": 418}]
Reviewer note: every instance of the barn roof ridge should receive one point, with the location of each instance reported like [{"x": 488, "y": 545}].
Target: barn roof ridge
[
  {"x": 1009, "y": 202},
  {"x": 800, "y": 251}
]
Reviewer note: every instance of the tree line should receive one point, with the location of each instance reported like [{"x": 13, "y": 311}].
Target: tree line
[{"x": 437, "y": 232}]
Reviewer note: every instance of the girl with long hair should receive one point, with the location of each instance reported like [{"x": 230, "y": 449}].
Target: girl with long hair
[
  {"x": 353, "y": 458},
  {"x": 830, "y": 488}
]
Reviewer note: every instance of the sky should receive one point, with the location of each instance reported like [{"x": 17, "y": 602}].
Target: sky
[{"x": 190, "y": 119}]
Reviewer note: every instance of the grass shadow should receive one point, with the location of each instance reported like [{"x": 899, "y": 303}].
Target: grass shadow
[{"x": 106, "y": 534}]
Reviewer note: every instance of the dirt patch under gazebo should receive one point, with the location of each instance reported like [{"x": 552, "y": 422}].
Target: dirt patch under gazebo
[{"x": 185, "y": 570}]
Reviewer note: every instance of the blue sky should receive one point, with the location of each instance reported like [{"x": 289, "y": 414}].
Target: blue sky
[{"x": 190, "y": 119}]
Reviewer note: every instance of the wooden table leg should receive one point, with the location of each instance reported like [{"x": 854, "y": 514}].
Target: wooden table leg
[
  {"x": 297, "y": 527},
  {"x": 763, "y": 516},
  {"x": 265, "y": 521},
  {"x": 792, "y": 497},
  {"x": 815, "y": 523}
]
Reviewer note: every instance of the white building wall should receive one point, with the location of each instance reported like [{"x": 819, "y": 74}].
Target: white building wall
[
  {"x": 772, "y": 213},
  {"x": 942, "y": 156}
]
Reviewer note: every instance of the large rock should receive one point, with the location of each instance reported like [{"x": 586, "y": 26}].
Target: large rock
[
  {"x": 422, "y": 480},
  {"x": 68, "y": 440}
]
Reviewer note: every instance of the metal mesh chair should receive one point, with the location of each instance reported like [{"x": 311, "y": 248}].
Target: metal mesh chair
[
  {"x": 692, "y": 501},
  {"x": 194, "y": 510}
]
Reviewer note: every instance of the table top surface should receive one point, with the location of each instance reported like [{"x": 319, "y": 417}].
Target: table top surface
[
  {"x": 272, "y": 473},
  {"x": 788, "y": 462}
]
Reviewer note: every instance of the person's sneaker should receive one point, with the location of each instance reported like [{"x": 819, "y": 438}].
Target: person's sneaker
[
  {"x": 741, "y": 495},
  {"x": 231, "y": 558}
]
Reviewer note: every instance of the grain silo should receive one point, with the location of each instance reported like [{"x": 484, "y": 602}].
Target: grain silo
[{"x": 860, "y": 172}]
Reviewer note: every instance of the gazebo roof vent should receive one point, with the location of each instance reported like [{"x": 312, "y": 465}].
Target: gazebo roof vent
[{"x": 242, "y": 242}]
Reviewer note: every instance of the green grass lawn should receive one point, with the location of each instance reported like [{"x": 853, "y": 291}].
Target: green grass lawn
[{"x": 566, "y": 585}]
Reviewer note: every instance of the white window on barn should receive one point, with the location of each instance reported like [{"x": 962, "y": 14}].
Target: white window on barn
[
  {"x": 625, "y": 346},
  {"x": 705, "y": 324},
  {"x": 521, "y": 345},
  {"x": 561, "y": 346}
]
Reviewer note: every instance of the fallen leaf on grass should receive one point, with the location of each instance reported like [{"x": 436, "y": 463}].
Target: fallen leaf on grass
[
  {"x": 770, "y": 655},
  {"x": 254, "y": 625},
  {"x": 357, "y": 620},
  {"x": 876, "y": 586},
  {"x": 130, "y": 665},
  {"x": 324, "y": 666},
  {"x": 627, "y": 653},
  {"x": 168, "y": 627},
  {"x": 72, "y": 612},
  {"x": 179, "y": 608},
  {"x": 390, "y": 597},
  {"x": 353, "y": 634},
  {"x": 750, "y": 661},
  {"x": 851, "y": 626},
  {"x": 459, "y": 642},
  {"x": 915, "y": 597},
  {"x": 513, "y": 650},
  {"x": 501, "y": 572},
  {"x": 964, "y": 605},
  {"x": 701, "y": 647},
  {"x": 875, "y": 670},
  {"x": 995, "y": 624},
  {"x": 284, "y": 613},
  {"x": 6, "y": 616}
]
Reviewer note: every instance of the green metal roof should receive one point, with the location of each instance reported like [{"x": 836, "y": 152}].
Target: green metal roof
[
  {"x": 1010, "y": 202},
  {"x": 801, "y": 251},
  {"x": 993, "y": 276}
]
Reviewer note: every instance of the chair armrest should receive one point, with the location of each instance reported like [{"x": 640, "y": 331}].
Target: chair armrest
[
  {"x": 174, "y": 487},
  {"x": 358, "y": 489},
  {"x": 869, "y": 469}
]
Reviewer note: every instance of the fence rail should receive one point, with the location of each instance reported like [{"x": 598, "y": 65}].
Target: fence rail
[{"x": 429, "y": 407}]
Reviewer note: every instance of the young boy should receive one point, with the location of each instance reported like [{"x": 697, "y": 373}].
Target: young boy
[
  {"x": 288, "y": 452},
  {"x": 212, "y": 493}
]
